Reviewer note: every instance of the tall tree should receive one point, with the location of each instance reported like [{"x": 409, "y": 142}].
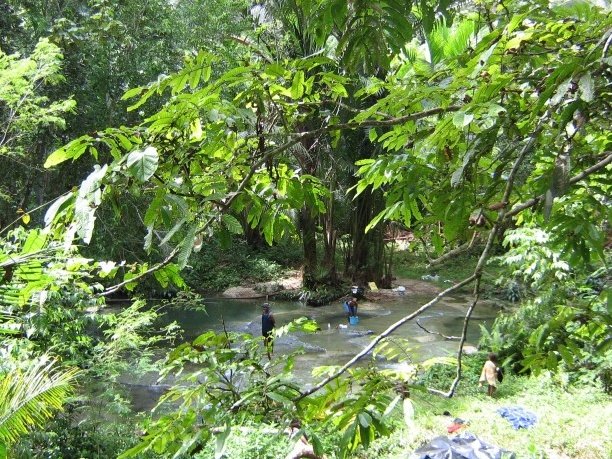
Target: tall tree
[{"x": 26, "y": 113}]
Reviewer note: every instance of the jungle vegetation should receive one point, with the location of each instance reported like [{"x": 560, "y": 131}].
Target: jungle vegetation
[{"x": 137, "y": 140}]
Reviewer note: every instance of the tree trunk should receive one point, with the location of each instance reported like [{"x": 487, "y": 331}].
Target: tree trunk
[
  {"x": 253, "y": 236},
  {"x": 309, "y": 243},
  {"x": 366, "y": 263},
  {"x": 329, "y": 241},
  {"x": 366, "y": 258}
]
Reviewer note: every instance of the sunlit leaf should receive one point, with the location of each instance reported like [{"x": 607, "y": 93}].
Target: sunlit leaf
[{"x": 142, "y": 164}]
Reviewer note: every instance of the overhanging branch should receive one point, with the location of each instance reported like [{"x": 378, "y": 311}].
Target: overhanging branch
[
  {"x": 231, "y": 196},
  {"x": 584, "y": 174},
  {"x": 466, "y": 321},
  {"x": 446, "y": 337},
  {"x": 382, "y": 336}
]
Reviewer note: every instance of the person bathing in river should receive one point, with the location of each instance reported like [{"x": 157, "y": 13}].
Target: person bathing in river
[
  {"x": 352, "y": 308},
  {"x": 489, "y": 374},
  {"x": 267, "y": 329}
]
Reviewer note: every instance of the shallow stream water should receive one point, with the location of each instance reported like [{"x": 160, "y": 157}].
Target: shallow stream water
[{"x": 337, "y": 341}]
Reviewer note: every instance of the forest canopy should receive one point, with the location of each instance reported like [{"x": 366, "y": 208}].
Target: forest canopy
[{"x": 132, "y": 137}]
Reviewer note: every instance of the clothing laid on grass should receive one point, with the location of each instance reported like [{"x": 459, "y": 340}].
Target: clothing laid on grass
[
  {"x": 517, "y": 416},
  {"x": 463, "y": 446}
]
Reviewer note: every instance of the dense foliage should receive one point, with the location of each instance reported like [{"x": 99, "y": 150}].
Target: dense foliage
[{"x": 483, "y": 123}]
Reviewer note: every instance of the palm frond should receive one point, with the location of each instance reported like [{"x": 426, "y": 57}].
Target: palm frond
[
  {"x": 459, "y": 38},
  {"x": 437, "y": 39},
  {"x": 411, "y": 52},
  {"x": 29, "y": 397},
  {"x": 9, "y": 324},
  {"x": 446, "y": 42}
]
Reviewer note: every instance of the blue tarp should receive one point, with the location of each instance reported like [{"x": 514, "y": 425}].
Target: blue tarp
[
  {"x": 462, "y": 446},
  {"x": 518, "y": 416}
]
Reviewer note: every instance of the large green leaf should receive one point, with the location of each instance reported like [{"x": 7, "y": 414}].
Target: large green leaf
[
  {"x": 187, "y": 245},
  {"x": 58, "y": 206},
  {"x": 297, "y": 86},
  {"x": 73, "y": 150},
  {"x": 87, "y": 201},
  {"x": 142, "y": 164},
  {"x": 232, "y": 224}
]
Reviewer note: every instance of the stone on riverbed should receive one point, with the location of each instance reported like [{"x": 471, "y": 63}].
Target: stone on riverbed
[
  {"x": 468, "y": 349},
  {"x": 355, "y": 332}
]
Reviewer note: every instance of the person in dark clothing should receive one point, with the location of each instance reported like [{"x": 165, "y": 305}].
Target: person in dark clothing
[{"x": 267, "y": 328}]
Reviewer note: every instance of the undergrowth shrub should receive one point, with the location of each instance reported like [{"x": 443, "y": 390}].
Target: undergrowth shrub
[
  {"x": 262, "y": 441},
  {"x": 566, "y": 324},
  {"x": 216, "y": 267},
  {"x": 440, "y": 375},
  {"x": 74, "y": 433}
]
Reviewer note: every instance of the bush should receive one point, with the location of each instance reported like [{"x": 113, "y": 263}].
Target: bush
[
  {"x": 286, "y": 253},
  {"x": 440, "y": 376},
  {"x": 76, "y": 434},
  {"x": 559, "y": 330},
  {"x": 262, "y": 441},
  {"x": 216, "y": 268}
]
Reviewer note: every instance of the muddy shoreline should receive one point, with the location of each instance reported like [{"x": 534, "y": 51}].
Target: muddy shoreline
[{"x": 401, "y": 287}]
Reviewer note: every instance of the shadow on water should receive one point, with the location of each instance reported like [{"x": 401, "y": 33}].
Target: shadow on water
[{"x": 337, "y": 341}]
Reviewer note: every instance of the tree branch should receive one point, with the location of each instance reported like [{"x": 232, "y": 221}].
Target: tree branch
[
  {"x": 230, "y": 197},
  {"x": 387, "y": 122},
  {"x": 452, "y": 253},
  {"x": 449, "y": 338},
  {"x": 584, "y": 174},
  {"x": 501, "y": 216},
  {"x": 466, "y": 321},
  {"x": 382, "y": 336},
  {"x": 476, "y": 276},
  {"x": 6, "y": 228}
]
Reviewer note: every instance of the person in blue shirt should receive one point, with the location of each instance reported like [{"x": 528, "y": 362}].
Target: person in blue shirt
[
  {"x": 350, "y": 307},
  {"x": 267, "y": 328}
]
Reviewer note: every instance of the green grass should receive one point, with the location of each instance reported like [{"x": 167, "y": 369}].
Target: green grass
[
  {"x": 414, "y": 265},
  {"x": 573, "y": 423}
]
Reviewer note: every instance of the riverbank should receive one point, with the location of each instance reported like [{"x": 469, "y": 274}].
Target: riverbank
[
  {"x": 293, "y": 282},
  {"x": 571, "y": 422}
]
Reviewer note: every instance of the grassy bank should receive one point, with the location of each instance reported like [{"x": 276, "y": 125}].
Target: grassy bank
[
  {"x": 573, "y": 423},
  {"x": 415, "y": 265}
]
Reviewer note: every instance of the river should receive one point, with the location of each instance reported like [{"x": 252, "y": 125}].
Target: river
[{"x": 337, "y": 341}]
